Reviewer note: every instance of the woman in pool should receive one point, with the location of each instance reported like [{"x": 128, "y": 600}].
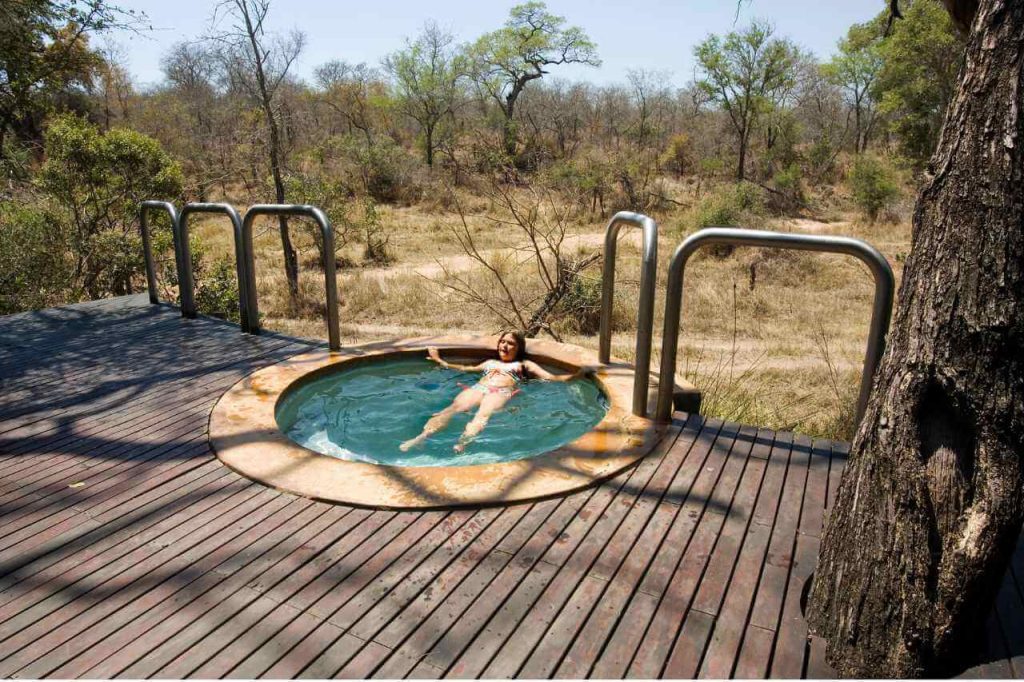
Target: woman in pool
[{"x": 500, "y": 382}]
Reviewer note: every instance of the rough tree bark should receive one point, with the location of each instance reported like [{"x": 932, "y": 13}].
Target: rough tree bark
[{"x": 930, "y": 505}]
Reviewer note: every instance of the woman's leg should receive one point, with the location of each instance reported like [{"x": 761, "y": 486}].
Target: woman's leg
[
  {"x": 491, "y": 403},
  {"x": 465, "y": 401}
]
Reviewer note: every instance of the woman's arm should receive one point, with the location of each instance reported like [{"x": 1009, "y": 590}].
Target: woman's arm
[
  {"x": 436, "y": 357},
  {"x": 536, "y": 370}
]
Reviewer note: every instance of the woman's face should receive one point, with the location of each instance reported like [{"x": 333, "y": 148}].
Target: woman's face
[{"x": 508, "y": 347}]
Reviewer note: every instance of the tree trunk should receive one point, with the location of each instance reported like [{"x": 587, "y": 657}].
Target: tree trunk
[
  {"x": 741, "y": 166},
  {"x": 428, "y": 134},
  {"x": 291, "y": 258},
  {"x": 930, "y": 506}
]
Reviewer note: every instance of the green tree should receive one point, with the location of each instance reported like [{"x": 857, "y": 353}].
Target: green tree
[
  {"x": 917, "y": 80},
  {"x": 96, "y": 182},
  {"x": 45, "y": 59},
  {"x": 742, "y": 73},
  {"x": 428, "y": 75},
  {"x": 506, "y": 60},
  {"x": 874, "y": 184},
  {"x": 855, "y": 69}
]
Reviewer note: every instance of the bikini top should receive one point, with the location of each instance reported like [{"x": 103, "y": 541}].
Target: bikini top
[{"x": 510, "y": 369}]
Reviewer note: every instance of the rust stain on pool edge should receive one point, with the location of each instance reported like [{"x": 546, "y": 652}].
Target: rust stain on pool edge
[{"x": 245, "y": 435}]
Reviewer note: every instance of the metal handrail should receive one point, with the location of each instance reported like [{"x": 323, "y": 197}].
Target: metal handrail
[
  {"x": 880, "y": 312},
  {"x": 147, "y": 246},
  {"x": 240, "y": 261},
  {"x": 329, "y": 262},
  {"x": 645, "y": 316}
]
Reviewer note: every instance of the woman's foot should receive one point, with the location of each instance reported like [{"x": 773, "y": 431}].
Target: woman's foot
[
  {"x": 412, "y": 442},
  {"x": 459, "y": 447}
]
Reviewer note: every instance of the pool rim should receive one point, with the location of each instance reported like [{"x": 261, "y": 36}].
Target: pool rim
[{"x": 245, "y": 436}]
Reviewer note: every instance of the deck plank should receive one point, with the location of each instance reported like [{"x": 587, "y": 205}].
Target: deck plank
[{"x": 127, "y": 549}]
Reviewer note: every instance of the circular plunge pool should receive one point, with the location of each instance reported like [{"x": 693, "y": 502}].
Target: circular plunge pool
[
  {"x": 364, "y": 413},
  {"x": 328, "y": 425}
]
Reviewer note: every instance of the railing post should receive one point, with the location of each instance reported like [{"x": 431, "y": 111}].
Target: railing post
[
  {"x": 183, "y": 259},
  {"x": 147, "y": 245},
  {"x": 645, "y": 315},
  {"x": 329, "y": 263},
  {"x": 880, "y": 312},
  {"x": 240, "y": 260}
]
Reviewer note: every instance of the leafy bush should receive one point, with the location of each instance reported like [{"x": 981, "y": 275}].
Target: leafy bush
[
  {"x": 730, "y": 205},
  {"x": 874, "y": 184},
  {"x": 329, "y": 194},
  {"x": 384, "y": 170},
  {"x": 96, "y": 181},
  {"x": 35, "y": 271},
  {"x": 581, "y": 305},
  {"x": 585, "y": 181},
  {"x": 75, "y": 234},
  {"x": 788, "y": 184},
  {"x": 217, "y": 290},
  {"x": 375, "y": 240},
  {"x": 679, "y": 156}
]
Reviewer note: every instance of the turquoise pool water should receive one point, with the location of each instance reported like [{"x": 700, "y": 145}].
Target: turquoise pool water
[{"x": 364, "y": 413}]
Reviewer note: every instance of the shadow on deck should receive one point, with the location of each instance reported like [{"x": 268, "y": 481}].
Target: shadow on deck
[{"x": 126, "y": 549}]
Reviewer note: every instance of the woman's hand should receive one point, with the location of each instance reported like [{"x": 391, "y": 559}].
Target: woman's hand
[{"x": 436, "y": 357}]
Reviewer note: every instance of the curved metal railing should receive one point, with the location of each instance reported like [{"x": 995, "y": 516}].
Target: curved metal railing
[
  {"x": 329, "y": 263},
  {"x": 188, "y": 282},
  {"x": 645, "y": 315},
  {"x": 147, "y": 245},
  {"x": 880, "y": 312}
]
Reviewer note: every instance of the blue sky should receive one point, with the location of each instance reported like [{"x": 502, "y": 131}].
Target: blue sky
[{"x": 645, "y": 34}]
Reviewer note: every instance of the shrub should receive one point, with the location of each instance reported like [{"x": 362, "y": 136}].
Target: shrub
[
  {"x": 788, "y": 185},
  {"x": 679, "y": 156},
  {"x": 384, "y": 171},
  {"x": 96, "y": 181},
  {"x": 331, "y": 196},
  {"x": 874, "y": 184},
  {"x": 375, "y": 239},
  {"x": 585, "y": 181},
  {"x": 217, "y": 290},
  {"x": 35, "y": 271},
  {"x": 730, "y": 205},
  {"x": 581, "y": 305}
]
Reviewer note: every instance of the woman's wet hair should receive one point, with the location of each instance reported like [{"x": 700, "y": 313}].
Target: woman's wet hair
[{"x": 520, "y": 342}]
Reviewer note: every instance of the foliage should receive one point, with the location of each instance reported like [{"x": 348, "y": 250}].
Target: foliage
[
  {"x": 788, "y": 185},
  {"x": 729, "y": 206},
  {"x": 217, "y": 290},
  {"x": 97, "y": 181},
  {"x": 742, "y": 73},
  {"x": 919, "y": 66},
  {"x": 328, "y": 193},
  {"x": 581, "y": 306},
  {"x": 383, "y": 171},
  {"x": 855, "y": 69},
  {"x": 45, "y": 57},
  {"x": 532, "y": 40},
  {"x": 375, "y": 238},
  {"x": 428, "y": 75},
  {"x": 34, "y": 266},
  {"x": 874, "y": 183},
  {"x": 679, "y": 156}
]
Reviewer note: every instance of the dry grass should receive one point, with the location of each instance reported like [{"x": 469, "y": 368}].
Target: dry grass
[{"x": 782, "y": 349}]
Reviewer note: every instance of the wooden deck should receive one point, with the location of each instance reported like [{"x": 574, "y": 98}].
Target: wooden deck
[{"x": 127, "y": 550}]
